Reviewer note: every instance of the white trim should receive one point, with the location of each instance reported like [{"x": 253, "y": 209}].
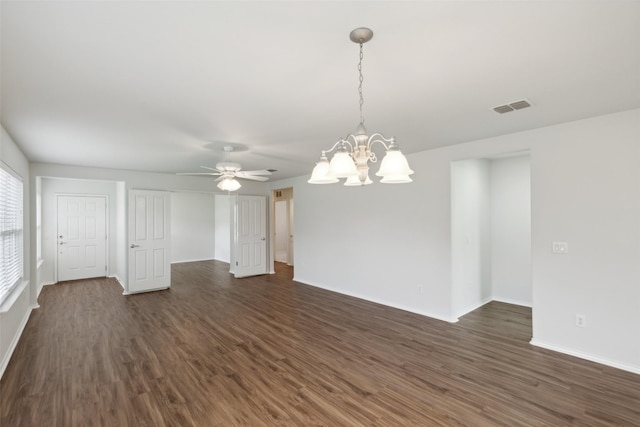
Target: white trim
[
  {"x": 385, "y": 303},
  {"x": 514, "y": 302},
  {"x": 13, "y": 297},
  {"x": 125, "y": 292},
  {"x": 474, "y": 307},
  {"x": 119, "y": 281},
  {"x": 14, "y": 342},
  {"x": 192, "y": 260},
  {"x": 590, "y": 357}
]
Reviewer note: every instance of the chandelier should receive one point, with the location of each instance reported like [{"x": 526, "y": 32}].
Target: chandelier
[{"x": 353, "y": 153}]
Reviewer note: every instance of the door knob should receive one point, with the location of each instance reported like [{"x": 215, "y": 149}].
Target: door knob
[
  {"x": 62, "y": 243},
  {"x": 264, "y": 238},
  {"x": 134, "y": 246}
]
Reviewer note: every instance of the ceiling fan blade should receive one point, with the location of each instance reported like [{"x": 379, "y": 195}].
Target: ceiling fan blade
[
  {"x": 260, "y": 172},
  {"x": 253, "y": 177},
  {"x": 252, "y": 173},
  {"x": 199, "y": 173},
  {"x": 211, "y": 169}
]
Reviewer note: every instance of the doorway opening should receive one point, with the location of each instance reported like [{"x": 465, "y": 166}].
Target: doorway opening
[
  {"x": 283, "y": 227},
  {"x": 491, "y": 232}
]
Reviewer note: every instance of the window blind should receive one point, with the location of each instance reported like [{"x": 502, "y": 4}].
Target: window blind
[{"x": 11, "y": 231}]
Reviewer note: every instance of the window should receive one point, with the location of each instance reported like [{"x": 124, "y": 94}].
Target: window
[{"x": 11, "y": 234}]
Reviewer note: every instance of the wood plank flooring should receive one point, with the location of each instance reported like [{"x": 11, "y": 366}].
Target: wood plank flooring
[{"x": 265, "y": 351}]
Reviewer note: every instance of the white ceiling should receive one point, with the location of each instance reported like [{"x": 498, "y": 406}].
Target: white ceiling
[{"x": 163, "y": 86}]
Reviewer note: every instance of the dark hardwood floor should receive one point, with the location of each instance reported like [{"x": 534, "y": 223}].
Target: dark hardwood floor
[{"x": 264, "y": 351}]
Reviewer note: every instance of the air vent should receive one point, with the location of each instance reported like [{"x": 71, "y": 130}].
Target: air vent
[
  {"x": 517, "y": 105},
  {"x": 502, "y": 109},
  {"x": 520, "y": 105}
]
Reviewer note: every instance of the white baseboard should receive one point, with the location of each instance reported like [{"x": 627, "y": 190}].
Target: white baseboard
[
  {"x": 386, "y": 303},
  {"x": 118, "y": 280},
  {"x": 513, "y": 301},
  {"x": 42, "y": 285},
  {"x": 473, "y": 307},
  {"x": 14, "y": 342},
  {"x": 125, "y": 292},
  {"x": 192, "y": 260},
  {"x": 590, "y": 357}
]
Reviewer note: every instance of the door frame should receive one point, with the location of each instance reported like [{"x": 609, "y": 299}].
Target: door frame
[
  {"x": 107, "y": 242},
  {"x": 287, "y": 223},
  {"x": 287, "y": 194}
]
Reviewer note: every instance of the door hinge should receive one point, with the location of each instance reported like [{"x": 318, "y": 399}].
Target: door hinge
[{"x": 236, "y": 263}]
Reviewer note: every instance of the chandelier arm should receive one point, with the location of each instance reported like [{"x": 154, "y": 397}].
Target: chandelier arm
[
  {"x": 378, "y": 137},
  {"x": 351, "y": 138},
  {"x": 334, "y": 146}
]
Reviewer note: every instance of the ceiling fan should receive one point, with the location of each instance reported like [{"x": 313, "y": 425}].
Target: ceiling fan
[{"x": 229, "y": 171}]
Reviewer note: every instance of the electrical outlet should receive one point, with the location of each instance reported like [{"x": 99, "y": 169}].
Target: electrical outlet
[
  {"x": 581, "y": 320},
  {"x": 559, "y": 247}
]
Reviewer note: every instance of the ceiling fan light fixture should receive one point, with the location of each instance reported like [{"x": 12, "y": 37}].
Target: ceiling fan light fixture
[
  {"x": 229, "y": 171},
  {"x": 229, "y": 184},
  {"x": 353, "y": 153}
]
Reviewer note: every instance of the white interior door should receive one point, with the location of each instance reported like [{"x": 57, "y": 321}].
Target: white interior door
[
  {"x": 82, "y": 237},
  {"x": 250, "y": 236},
  {"x": 149, "y": 241}
]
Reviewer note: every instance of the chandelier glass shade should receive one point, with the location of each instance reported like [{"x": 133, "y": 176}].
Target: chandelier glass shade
[{"x": 353, "y": 153}]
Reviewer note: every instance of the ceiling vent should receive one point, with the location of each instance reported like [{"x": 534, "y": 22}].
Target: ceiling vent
[{"x": 518, "y": 105}]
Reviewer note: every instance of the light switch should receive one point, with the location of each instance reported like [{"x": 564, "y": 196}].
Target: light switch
[{"x": 560, "y": 247}]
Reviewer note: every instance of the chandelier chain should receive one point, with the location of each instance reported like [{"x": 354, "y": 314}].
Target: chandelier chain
[{"x": 361, "y": 78}]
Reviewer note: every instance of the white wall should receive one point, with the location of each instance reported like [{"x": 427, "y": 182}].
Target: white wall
[
  {"x": 192, "y": 226},
  {"x": 511, "y": 230},
  {"x": 470, "y": 235},
  {"x": 381, "y": 241},
  {"x": 14, "y": 313},
  {"x": 223, "y": 227},
  {"x": 584, "y": 183}
]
